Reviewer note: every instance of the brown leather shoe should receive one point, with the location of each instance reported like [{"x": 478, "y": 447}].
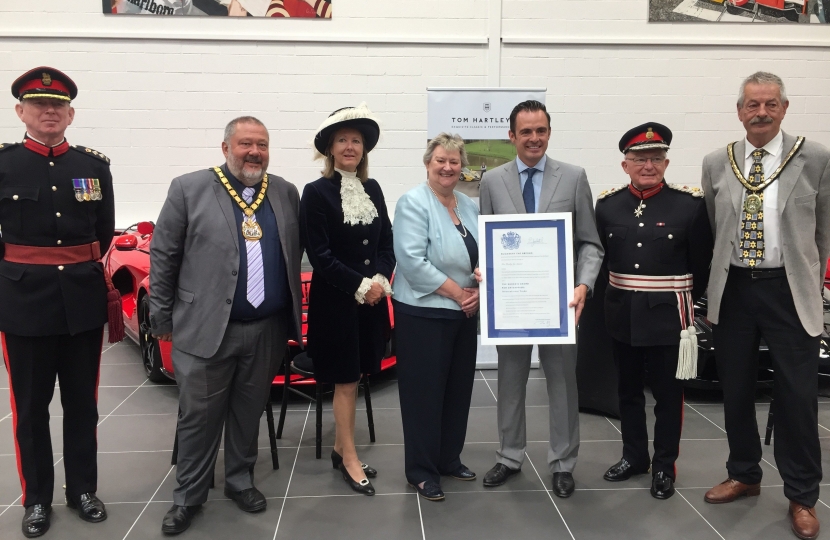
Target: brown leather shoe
[
  {"x": 729, "y": 490},
  {"x": 803, "y": 521}
]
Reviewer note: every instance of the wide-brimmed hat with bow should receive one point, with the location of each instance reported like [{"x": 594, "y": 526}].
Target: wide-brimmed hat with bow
[{"x": 359, "y": 118}]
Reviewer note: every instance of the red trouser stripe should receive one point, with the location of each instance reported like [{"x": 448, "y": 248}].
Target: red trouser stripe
[{"x": 14, "y": 416}]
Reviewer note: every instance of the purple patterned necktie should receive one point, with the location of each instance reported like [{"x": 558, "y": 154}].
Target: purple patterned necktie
[{"x": 256, "y": 275}]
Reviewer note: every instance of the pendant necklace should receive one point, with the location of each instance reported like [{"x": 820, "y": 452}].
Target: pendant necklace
[{"x": 457, "y": 213}]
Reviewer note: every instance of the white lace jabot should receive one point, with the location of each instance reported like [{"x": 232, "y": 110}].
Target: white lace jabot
[{"x": 357, "y": 206}]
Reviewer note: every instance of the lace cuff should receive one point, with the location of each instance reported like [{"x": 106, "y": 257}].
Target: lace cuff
[
  {"x": 383, "y": 282},
  {"x": 360, "y": 295}
]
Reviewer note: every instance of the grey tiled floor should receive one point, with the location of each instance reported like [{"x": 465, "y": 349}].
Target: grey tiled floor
[{"x": 307, "y": 499}]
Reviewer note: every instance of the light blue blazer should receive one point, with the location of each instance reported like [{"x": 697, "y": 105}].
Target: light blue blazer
[{"x": 429, "y": 249}]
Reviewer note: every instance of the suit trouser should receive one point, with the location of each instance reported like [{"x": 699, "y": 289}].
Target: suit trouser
[
  {"x": 33, "y": 363},
  {"x": 436, "y": 369},
  {"x": 752, "y": 309},
  {"x": 230, "y": 388},
  {"x": 661, "y": 363},
  {"x": 559, "y": 365}
]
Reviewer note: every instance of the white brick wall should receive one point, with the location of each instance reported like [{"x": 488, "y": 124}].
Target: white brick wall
[{"x": 156, "y": 105}]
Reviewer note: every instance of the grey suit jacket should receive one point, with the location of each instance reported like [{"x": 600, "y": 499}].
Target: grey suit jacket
[
  {"x": 194, "y": 259},
  {"x": 804, "y": 205},
  {"x": 565, "y": 188}
]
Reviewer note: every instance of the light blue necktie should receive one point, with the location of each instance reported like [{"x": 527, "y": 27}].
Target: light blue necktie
[
  {"x": 527, "y": 193},
  {"x": 256, "y": 275}
]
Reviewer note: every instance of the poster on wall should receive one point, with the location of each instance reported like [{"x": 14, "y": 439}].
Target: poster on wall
[
  {"x": 482, "y": 117},
  {"x": 740, "y": 11},
  {"x": 308, "y": 9}
]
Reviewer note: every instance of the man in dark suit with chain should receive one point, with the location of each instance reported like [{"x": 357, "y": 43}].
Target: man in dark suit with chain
[
  {"x": 57, "y": 216},
  {"x": 768, "y": 199},
  {"x": 658, "y": 246}
]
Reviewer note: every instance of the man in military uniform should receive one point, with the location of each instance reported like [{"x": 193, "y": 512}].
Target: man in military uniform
[
  {"x": 658, "y": 246},
  {"x": 56, "y": 219}
]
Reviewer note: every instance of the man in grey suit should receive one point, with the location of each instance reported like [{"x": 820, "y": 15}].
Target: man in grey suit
[
  {"x": 768, "y": 199},
  {"x": 225, "y": 275},
  {"x": 535, "y": 183}
]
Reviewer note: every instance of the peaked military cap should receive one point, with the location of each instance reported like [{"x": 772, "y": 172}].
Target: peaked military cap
[
  {"x": 44, "y": 82},
  {"x": 647, "y": 136}
]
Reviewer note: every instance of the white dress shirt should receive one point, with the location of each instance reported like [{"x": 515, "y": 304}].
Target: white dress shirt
[{"x": 773, "y": 256}]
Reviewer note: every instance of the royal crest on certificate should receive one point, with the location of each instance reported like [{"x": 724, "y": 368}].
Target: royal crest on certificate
[{"x": 527, "y": 279}]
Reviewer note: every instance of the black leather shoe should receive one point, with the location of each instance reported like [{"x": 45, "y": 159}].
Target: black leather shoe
[
  {"x": 622, "y": 470},
  {"x": 563, "y": 484},
  {"x": 248, "y": 500},
  {"x": 36, "y": 520},
  {"x": 431, "y": 491},
  {"x": 364, "y": 486},
  {"x": 662, "y": 486},
  {"x": 462, "y": 473},
  {"x": 337, "y": 460},
  {"x": 498, "y": 475},
  {"x": 178, "y": 519},
  {"x": 89, "y": 507}
]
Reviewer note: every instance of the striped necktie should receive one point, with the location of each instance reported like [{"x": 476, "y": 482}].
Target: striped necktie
[{"x": 256, "y": 275}]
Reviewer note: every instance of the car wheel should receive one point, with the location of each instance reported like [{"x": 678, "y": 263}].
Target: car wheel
[{"x": 150, "y": 352}]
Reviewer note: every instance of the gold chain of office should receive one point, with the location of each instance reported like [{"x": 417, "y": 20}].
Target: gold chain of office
[
  {"x": 768, "y": 180},
  {"x": 250, "y": 228}
]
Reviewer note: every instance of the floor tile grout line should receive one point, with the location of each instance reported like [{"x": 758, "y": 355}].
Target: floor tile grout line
[
  {"x": 540, "y": 478},
  {"x": 153, "y": 496},
  {"x": 701, "y": 515},
  {"x": 615, "y": 427},
  {"x": 822, "y": 427},
  {"x": 14, "y": 503},
  {"x": 421, "y": 517},
  {"x": 550, "y": 496},
  {"x": 291, "y": 476},
  {"x": 119, "y": 405},
  {"x": 705, "y": 417}
]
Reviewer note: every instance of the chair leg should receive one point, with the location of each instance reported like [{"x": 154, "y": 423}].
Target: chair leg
[
  {"x": 319, "y": 438},
  {"x": 284, "y": 406},
  {"x": 770, "y": 425},
  {"x": 286, "y": 386},
  {"x": 175, "y": 457},
  {"x": 269, "y": 416},
  {"x": 369, "y": 414}
]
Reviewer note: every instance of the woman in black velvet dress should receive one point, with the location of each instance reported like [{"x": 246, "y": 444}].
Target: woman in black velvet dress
[{"x": 348, "y": 237}]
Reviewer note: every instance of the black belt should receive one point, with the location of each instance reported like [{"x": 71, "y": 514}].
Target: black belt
[{"x": 758, "y": 273}]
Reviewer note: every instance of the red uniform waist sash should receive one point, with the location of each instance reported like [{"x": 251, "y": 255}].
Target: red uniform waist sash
[{"x": 52, "y": 255}]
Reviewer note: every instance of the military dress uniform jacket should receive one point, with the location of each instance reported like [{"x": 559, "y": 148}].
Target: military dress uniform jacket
[
  {"x": 672, "y": 237},
  {"x": 38, "y": 207}
]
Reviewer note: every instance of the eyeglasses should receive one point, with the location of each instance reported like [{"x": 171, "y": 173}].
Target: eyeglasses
[{"x": 639, "y": 161}]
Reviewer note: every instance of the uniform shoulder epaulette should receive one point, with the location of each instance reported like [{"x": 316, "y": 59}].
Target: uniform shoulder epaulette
[
  {"x": 91, "y": 152},
  {"x": 610, "y": 192},
  {"x": 6, "y": 146},
  {"x": 693, "y": 191}
]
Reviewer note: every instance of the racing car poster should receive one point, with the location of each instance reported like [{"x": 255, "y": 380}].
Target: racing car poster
[
  {"x": 482, "y": 117},
  {"x": 740, "y": 11},
  {"x": 308, "y": 9}
]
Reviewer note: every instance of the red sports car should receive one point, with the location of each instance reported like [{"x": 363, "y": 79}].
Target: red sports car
[{"x": 128, "y": 264}]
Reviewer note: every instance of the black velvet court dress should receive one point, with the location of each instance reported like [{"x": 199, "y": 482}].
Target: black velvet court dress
[{"x": 345, "y": 338}]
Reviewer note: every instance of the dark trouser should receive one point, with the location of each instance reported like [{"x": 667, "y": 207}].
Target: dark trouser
[
  {"x": 436, "y": 368},
  {"x": 751, "y": 309},
  {"x": 229, "y": 389},
  {"x": 661, "y": 364},
  {"x": 33, "y": 363}
]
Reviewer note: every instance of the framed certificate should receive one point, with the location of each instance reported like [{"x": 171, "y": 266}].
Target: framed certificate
[{"x": 528, "y": 279}]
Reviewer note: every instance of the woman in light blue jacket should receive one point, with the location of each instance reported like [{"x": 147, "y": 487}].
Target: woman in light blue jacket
[{"x": 436, "y": 302}]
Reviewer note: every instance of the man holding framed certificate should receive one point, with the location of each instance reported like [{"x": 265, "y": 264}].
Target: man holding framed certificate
[{"x": 532, "y": 184}]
